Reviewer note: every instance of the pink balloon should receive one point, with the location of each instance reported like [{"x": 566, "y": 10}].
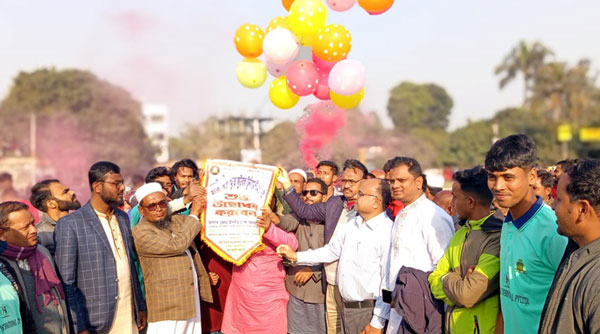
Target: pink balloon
[
  {"x": 347, "y": 77},
  {"x": 340, "y": 5},
  {"x": 322, "y": 64},
  {"x": 322, "y": 91},
  {"x": 277, "y": 70},
  {"x": 302, "y": 77}
]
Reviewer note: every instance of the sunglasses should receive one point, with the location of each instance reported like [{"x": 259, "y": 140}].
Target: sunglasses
[
  {"x": 154, "y": 206},
  {"x": 311, "y": 192}
]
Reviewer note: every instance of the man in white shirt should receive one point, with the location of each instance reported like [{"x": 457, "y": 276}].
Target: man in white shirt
[
  {"x": 420, "y": 233},
  {"x": 361, "y": 249}
]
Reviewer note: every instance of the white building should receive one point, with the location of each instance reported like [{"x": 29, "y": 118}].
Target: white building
[{"x": 156, "y": 124}]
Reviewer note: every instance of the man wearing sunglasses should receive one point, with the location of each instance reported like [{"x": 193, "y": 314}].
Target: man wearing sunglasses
[{"x": 174, "y": 275}]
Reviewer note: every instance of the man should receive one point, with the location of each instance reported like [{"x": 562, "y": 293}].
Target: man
[
  {"x": 443, "y": 199},
  {"x": 55, "y": 200},
  {"x": 336, "y": 212},
  {"x": 361, "y": 250},
  {"x": 420, "y": 234},
  {"x": 543, "y": 186},
  {"x": 94, "y": 255},
  {"x": 466, "y": 277},
  {"x": 7, "y": 192},
  {"x": 183, "y": 172},
  {"x": 378, "y": 173},
  {"x": 161, "y": 175},
  {"x": 328, "y": 172},
  {"x": 34, "y": 268},
  {"x": 572, "y": 303},
  {"x": 530, "y": 248},
  {"x": 306, "y": 307},
  {"x": 174, "y": 275},
  {"x": 298, "y": 178}
]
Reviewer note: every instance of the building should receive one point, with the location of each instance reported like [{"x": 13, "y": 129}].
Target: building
[{"x": 156, "y": 124}]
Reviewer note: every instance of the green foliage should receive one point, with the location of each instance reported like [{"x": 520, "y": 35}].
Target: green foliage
[{"x": 419, "y": 105}]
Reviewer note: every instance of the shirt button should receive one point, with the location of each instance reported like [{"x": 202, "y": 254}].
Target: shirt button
[
  {"x": 116, "y": 279},
  {"x": 117, "y": 297},
  {"x": 192, "y": 284}
]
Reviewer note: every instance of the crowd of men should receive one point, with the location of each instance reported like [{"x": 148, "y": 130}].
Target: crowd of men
[{"x": 511, "y": 248}]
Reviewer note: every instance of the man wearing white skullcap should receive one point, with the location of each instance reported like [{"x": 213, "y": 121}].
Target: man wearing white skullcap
[
  {"x": 298, "y": 178},
  {"x": 174, "y": 275}
]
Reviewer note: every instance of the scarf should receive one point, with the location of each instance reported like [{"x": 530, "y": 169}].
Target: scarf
[
  {"x": 44, "y": 274},
  {"x": 394, "y": 208}
]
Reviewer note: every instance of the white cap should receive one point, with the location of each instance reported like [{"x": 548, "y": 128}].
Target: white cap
[
  {"x": 147, "y": 189},
  {"x": 299, "y": 171}
]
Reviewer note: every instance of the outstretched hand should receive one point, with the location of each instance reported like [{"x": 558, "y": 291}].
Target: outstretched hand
[
  {"x": 288, "y": 252},
  {"x": 283, "y": 180}
]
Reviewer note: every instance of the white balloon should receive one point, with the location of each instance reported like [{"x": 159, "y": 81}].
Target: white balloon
[
  {"x": 347, "y": 77},
  {"x": 280, "y": 46}
]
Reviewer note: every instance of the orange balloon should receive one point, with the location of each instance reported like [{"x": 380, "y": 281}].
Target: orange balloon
[
  {"x": 278, "y": 22},
  {"x": 376, "y": 7},
  {"x": 287, "y": 4},
  {"x": 332, "y": 42},
  {"x": 248, "y": 40}
]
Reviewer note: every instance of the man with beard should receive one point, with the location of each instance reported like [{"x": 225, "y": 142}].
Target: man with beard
[
  {"x": 94, "y": 255},
  {"x": 174, "y": 275},
  {"x": 55, "y": 200}
]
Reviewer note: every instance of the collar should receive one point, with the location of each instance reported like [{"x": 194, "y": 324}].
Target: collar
[
  {"x": 371, "y": 223},
  {"x": 47, "y": 219},
  {"x": 525, "y": 218},
  {"x": 415, "y": 203}
]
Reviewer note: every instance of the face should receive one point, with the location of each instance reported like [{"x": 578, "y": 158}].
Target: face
[
  {"x": 325, "y": 173},
  {"x": 166, "y": 184},
  {"x": 154, "y": 207},
  {"x": 64, "y": 199},
  {"x": 112, "y": 189},
  {"x": 405, "y": 186},
  {"x": 511, "y": 186},
  {"x": 461, "y": 202},
  {"x": 184, "y": 177},
  {"x": 21, "y": 230},
  {"x": 540, "y": 190},
  {"x": 369, "y": 200},
  {"x": 557, "y": 173},
  {"x": 351, "y": 179},
  {"x": 297, "y": 181},
  {"x": 567, "y": 212},
  {"x": 312, "y": 193}
]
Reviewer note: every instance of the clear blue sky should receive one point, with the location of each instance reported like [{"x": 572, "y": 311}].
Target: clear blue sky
[{"x": 181, "y": 53}]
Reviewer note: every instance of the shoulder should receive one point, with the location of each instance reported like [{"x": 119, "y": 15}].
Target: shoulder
[
  {"x": 44, "y": 226},
  {"x": 83, "y": 213},
  {"x": 45, "y": 251}
]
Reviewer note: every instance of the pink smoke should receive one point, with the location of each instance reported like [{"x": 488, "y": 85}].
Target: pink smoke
[
  {"x": 318, "y": 128},
  {"x": 132, "y": 24}
]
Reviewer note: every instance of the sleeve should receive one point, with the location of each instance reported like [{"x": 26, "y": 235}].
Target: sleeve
[
  {"x": 326, "y": 254},
  {"x": 316, "y": 212},
  {"x": 590, "y": 310},
  {"x": 468, "y": 291},
  {"x": 436, "y": 277},
  {"x": 66, "y": 261},
  {"x": 176, "y": 205},
  {"x": 288, "y": 223},
  {"x": 276, "y": 236},
  {"x": 151, "y": 243},
  {"x": 554, "y": 248},
  {"x": 437, "y": 235}
]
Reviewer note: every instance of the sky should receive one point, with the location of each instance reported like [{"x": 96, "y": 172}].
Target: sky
[{"x": 181, "y": 53}]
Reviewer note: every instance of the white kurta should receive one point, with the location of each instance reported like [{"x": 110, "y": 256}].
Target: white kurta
[{"x": 190, "y": 326}]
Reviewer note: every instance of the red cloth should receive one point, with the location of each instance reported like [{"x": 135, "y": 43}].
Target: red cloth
[
  {"x": 394, "y": 208},
  {"x": 212, "y": 313}
]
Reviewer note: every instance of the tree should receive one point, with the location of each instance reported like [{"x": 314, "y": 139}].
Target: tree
[
  {"x": 280, "y": 146},
  {"x": 419, "y": 105}
]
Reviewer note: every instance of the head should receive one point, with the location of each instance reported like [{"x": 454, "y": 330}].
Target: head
[
  {"x": 405, "y": 178},
  {"x": 314, "y": 191},
  {"x": 543, "y": 185},
  {"x": 183, "y": 172},
  {"x": 328, "y": 172},
  {"x": 17, "y": 225},
  {"x": 373, "y": 197},
  {"x": 106, "y": 183},
  {"x": 470, "y": 192},
  {"x": 443, "y": 199},
  {"x": 510, "y": 166},
  {"x": 577, "y": 203},
  {"x": 561, "y": 167},
  {"x": 52, "y": 195},
  {"x": 298, "y": 178},
  {"x": 5, "y": 181},
  {"x": 162, "y": 176},
  {"x": 352, "y": 175},
  {"x": 153, "y": 204},
  {"x": 378, "y": 173}
]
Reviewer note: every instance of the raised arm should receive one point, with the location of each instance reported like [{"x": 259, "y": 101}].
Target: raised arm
[{"x": 152, "y": 243}]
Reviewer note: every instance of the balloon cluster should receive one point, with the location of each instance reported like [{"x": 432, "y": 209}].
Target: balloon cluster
[{"x": 329, "y": 76}]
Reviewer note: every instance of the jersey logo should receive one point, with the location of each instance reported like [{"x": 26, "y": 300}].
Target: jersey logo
[{"x": 520, "y": 267}]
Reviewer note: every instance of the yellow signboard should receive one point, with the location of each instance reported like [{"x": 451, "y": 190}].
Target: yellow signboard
[
  {"x": 589, "y": 134},
  {"x": 564, "y": 133}
]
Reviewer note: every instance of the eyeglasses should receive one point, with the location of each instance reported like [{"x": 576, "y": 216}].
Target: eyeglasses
[
  {"x": 361, "y": 194},
  {"x": 311, "y": 192},
  {"x": 155, "y": 206},
  {"x": 116, "y": 184},
  {"x": 350, "y": 182}
]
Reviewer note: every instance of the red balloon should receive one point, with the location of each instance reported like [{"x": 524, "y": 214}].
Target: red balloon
[
  {"x": 322, "y": 91},
  {"x": 302, "y": 77}
]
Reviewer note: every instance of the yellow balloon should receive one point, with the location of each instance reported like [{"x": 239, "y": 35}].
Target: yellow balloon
[
  {"x": 281, "y": 95},
  {"x": 251, "y": 72},
  {"x": 347, "y": 101},
  {"x": 278, "y": 22},
  {"x": 307, "y": 40},
  {"x": 307, "y": 17}
]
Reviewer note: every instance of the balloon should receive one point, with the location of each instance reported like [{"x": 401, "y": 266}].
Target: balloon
[
  {"x": 248, "y": 40},
  {"x": 376, "y": 7},
  {"x": 332, "y": 43},
  {"x": 307, "y": 17},
  {"x": 347, "y": 77},
  {"x": 321, "y": 64},
  {"x": 280, "y": 46},
  {"x": 287, "y": 4},
  {"x": 278, "y": 22},
  {"x": 307, "y": 40},
  {"x": 277, "y": 70},
  {"x": 340, "y": 5},
  {"x": 302, "y": 77},
  {"x": 280, "y": 94},
  {"x": 322, "y": 91},
  {"x": 347, "y": 101},
  {"x": 251, "y": 72}
]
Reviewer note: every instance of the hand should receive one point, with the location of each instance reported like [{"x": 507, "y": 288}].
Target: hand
[
  {"x": 197, "y": 205},
  {"x": 264, "y": 220},
  {"x": 371, "y": 330},
  {"x": 143, "y": 320},
  {"x": 287, "y": 251},
  {"x": 214, "y": 278},
  {"x": 303, "y": 275},
  {"x": 470, "y": 270},
  {"x": 284, "y": 178},
  {"x": 194, "y": 190},
  {"x": 272, "y": 215}
]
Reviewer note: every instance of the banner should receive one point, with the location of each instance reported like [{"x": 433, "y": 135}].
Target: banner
[{"x": 236, "y": 193}]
